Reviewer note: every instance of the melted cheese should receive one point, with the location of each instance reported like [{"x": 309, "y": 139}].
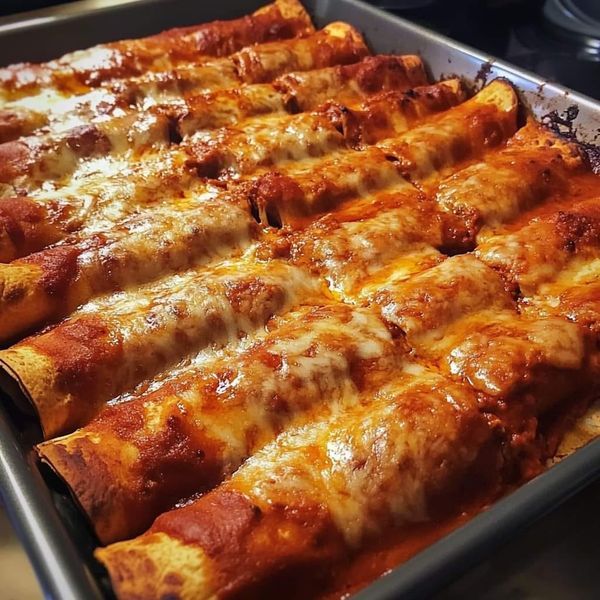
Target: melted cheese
[
  {"x": 354, "y": 256},
  {"x": 315, "y": 360},
  {"x": 445, "y": 139},
  {"x": 542, "y": 248},
  {"x": 574, "y": 294},
  {"x": 226, "y": 107},
  {"x": 78, "y": 71},
  {"x": 315, "y": 185},
  {"x": 497, "y": 352},
  {"x": 371, "y": 464},
  {"x": 217, "y": 305},
  {"x": 426, "y": 305},
  {"x": 264, "y": 141}
]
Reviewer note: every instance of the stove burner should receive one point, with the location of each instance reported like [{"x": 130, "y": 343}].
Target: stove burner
[
  {"x": 557, "y": 39},
  {"x": 576, "y": 21}
]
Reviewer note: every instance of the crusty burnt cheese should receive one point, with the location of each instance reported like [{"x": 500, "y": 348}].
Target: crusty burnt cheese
[
  {"x": 161, "y": 446},
  {"x": 113, "y": 343},
  {"x": 311, "y": 496},
  {"x": 48, "y": 285},
  {"x": 88, "y": 68}
]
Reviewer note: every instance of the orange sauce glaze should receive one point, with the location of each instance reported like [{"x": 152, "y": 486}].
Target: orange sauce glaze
[
  {"x": 377, "y": 558},
  {"x": 389, "y": 552},
  {"x": 583, "y": 186}
]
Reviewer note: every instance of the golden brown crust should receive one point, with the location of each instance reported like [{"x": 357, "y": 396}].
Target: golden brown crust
[
  {"x": 148, "y": 453},
  {"x": 158, "y": 566}
]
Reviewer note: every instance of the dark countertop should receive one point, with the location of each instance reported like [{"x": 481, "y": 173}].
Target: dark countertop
[{"x": 556, "y": 558}]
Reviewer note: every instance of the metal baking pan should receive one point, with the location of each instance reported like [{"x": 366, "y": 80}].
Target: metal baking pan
[{"x": 54, "y": 533}]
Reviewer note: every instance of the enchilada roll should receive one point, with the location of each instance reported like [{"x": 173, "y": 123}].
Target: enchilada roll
[
  {"x": 426, "y": 304},
  {"x": 160, "y": 446},
  {"x": 559, "y": 271},
  {"x": 553, "y": 261},
  {"x": 119, "y": 98},
  {"x": 29, "y": 162},
  {"x": 357, "y": 247},
  {"x": 294, "y": 195},
  {"x": 538, "y": 247},
  {"x": 69, "y": 371},
  {"x": 462, "y": 133},
  {"x": 534, "y": 166},
  {"x": 267, "y": 141},
  {"x": 292, "y": 92},
  {"x": 83, "y": 69},
  {"x": 290, "y": 195},
  {"x": 301, "y": 91},
  {"x": 48, "y": 285},
  {"x": 18, "y": 121},
  {"x": 336, "y": 43},
  {"x": 314, "y": 495},
  {"x": 459, "y": 317},
  {"x": 351, "y": 83},
  {"x": 459, "y": 313},
  {"x": 389, "y": 114},
  {"x": 95, "y": 203}
]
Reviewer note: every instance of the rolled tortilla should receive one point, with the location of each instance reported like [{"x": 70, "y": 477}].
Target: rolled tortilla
[
  {"x": 50, "y": 284},
  {"x": 238, "y": 151},
  {"x": 111, "y": 344},
  {"x": 535, "y": 165},
  {"x": 314, "y": 495},
  {"x": 78, "y": 71},
  {"x": 290, "y": 195},
  {"x": 148, "y": 453}
]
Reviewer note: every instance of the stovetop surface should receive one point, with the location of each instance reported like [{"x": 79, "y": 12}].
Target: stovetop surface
[{"x": 542, "y": 36}]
